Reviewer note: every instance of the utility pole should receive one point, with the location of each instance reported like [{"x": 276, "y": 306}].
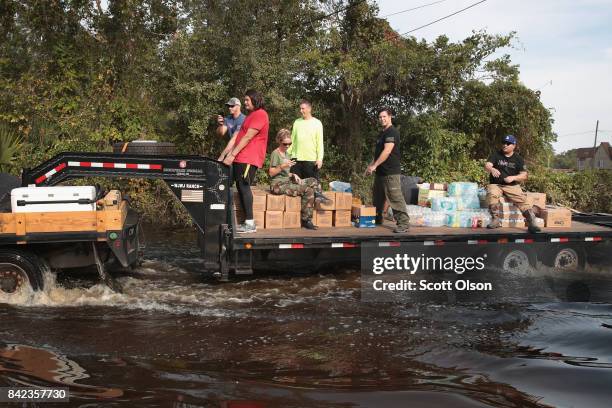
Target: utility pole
[{"x": 595, "y": 143}]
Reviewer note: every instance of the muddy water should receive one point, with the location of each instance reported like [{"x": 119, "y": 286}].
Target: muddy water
[{"x": 172, "y": 340}]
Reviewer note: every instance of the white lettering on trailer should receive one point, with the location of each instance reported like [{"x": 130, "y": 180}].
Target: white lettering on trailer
[{"x": 217, "y": 206}]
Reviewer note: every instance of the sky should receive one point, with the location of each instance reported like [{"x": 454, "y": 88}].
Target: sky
[{"x": 563, "y": 48}]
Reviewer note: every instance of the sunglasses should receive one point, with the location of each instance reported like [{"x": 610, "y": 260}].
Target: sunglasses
[
  {"x": 508, "y": 143},
  {"x": 287, "y": 144},
  {"x": 230, "y": 106}
]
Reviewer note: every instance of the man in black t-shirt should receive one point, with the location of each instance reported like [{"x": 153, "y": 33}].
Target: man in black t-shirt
[
  {"x": 506, "y": 170},
  {"x": 386, "y": 164}
]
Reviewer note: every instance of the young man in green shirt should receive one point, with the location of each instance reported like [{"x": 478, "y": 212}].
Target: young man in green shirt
[{"x": 307, "y": 147}]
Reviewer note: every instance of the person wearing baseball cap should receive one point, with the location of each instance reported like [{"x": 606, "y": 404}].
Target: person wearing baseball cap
[
  {"x": 506, "y": 170},
  {"x": 232, "y": 123}
]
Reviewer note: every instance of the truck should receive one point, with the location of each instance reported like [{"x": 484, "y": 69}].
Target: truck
[{"x": 203, "y": 186}]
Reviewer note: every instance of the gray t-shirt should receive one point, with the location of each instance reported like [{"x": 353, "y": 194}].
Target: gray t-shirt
[{"x": 234, "y": 124}]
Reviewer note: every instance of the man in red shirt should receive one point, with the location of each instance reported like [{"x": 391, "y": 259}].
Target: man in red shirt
[{"x": 247, "y": 152}]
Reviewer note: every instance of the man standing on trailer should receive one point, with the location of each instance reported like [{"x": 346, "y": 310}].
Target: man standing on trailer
[
  {"x": 386, "y": 164},
  {"x": 506, "y": 170},
  {"x": 231, "y": 124},
  {"x": 246, "y": 153},
  {"x": 307, "y": 143}
]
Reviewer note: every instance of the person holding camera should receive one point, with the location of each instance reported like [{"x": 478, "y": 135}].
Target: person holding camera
[{"x": 231, "y": 124}]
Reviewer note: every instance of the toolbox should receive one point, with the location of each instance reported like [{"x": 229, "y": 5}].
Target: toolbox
[{"x": 53, "y": 199}]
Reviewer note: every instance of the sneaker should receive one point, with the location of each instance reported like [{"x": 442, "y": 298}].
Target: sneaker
[
  {"x": 309, "y": 225},
  {"x": 322, "y": 199},
  {"x": 400, "y": 229},
  {"x": 246, "y": 228}
]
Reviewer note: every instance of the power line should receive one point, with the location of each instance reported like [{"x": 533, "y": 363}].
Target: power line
[
  {"x": 414, "y": 8},
  {"x": 443, "y": 18}
]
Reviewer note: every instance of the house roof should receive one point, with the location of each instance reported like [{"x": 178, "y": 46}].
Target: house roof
[{"x": 589, "y": 152}]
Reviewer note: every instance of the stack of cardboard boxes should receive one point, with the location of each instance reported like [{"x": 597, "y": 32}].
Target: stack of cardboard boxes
[
  {"x": 549, "y": 216},
  {"x": 337, "y": 213},
  {"x": 272, "y": 211}
]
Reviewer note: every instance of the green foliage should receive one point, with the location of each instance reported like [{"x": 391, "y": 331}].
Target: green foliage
[
  {"x": 565, "y": 160},
  {"x": 10, "y": 146},
  {"x": 436, "y": 154},
  {"x": 585, "y": 190}
]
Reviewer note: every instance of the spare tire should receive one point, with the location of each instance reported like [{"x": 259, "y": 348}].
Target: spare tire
[{"x": 148, "y": 147}]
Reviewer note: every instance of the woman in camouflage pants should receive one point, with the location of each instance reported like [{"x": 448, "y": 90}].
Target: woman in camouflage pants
[{"x": 282, "y": 181}]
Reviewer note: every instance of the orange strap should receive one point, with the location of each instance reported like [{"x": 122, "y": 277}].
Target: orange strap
[{"x": 125, "y": 146}]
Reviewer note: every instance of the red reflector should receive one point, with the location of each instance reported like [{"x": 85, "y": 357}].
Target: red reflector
[
  {"x": 563, "y": 239},
  {"x": 596, "y": 238},
  {"x": 118, "y": 244},
  {"x": 131, "y": 166},
  {"x": 108, "y": 165},
  {"x": 60, "y": 167},
  {"x": 483, "y": 241},
  {"x": 85, "y": 164},
  {"x": 439, "y": 243},
  {"x": 156, "y": 167},
  {"x": 297, "y": 245},
  {"x": 40, "y": 179},
  {"x": 503, "y": 240}
]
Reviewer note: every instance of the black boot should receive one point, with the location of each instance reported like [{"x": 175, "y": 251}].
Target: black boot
[
  {"x": 495, "y": 221},
  {"x": 531, "y": 222},
  {"x": 309, "y": 225}
]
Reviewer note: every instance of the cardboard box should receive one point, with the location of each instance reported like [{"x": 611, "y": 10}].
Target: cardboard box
[
  {"x": 275, "y": 202},
  {"x": 292, "y": 219},
  {"x": 537, "y": 199},
  {"x": 328, "y": 207},
  {"x": 342, "y": 218},
  {"x": 366, "y": 221},
  {"x": 259, "y": 202},
  {"x": 363, "y": 210},
  {"x": 356, "y": 201},
  {"x": 293, "y": 204},
  {"x": 425, "y": 196},
  {"x": 322, "y": 218},
  {"x": 513, "y": 223},
  {"x": 556, "y": 217},
  {"x": 364, "y": 216},
  {"x": 260, "y": 219},
  {"x": 344, "y": 201},
  {"x": 274, "y": 219}
]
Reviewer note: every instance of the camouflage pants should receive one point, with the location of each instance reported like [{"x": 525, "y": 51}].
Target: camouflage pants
[{"x": 306, "y": 190}]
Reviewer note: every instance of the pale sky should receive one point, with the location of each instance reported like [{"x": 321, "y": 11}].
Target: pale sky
[{"x": 568, "y": 42}]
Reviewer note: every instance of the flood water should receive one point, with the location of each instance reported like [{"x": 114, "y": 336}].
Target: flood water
[{"x": 172, "y": 340}]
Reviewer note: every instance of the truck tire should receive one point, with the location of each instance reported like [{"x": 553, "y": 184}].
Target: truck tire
[
  {"x": 145, "y": 147},
  {"x": 567, "y": 258},
  {"x": 518, "y": 260},
  {"x": 20, "y": 271}
]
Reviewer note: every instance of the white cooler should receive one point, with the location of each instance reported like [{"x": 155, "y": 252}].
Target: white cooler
[{"x": 53, "y": 199}]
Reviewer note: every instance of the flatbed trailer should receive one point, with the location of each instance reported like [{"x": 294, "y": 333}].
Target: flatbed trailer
[{"x": 203, "y": 186}]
